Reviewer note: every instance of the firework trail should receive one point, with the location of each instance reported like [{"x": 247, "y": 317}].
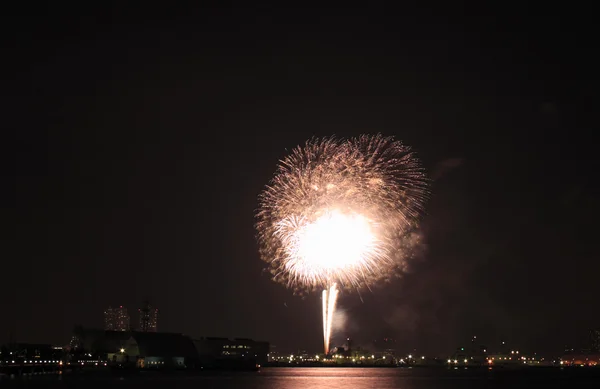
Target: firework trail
[
  {"x": 329, "y": 300},
  {"x": 341, "y": 214}
]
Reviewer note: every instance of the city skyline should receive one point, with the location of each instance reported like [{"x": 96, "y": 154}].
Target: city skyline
[{"x": 118, "y": 319}]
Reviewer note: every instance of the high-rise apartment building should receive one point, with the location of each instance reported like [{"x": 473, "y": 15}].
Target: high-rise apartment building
[
  {"x": 116, "y": 319},
  {"x": 595, "y": 340},
  {"x": 109, "y": 321},
  {"x": 148, "y": 318}
]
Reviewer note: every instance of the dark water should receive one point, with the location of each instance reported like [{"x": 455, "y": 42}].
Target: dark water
[{"x": 350, "y": 378}]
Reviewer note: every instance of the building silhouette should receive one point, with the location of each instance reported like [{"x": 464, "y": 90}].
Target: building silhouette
[
  {"x": 595, "y": 340},
  {"x": 116, "y": 319},
  {"x": 160, "y": 350},
  {"x": 148, "y": 318}
]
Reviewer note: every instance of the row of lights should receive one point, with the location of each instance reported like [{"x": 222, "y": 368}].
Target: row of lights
[
  {"x": 354, "y": 359},
  {"x": 59, "y": 362},
  {"x": 35, "y": 361},
  {"x": 455, "y": 361},
  {"x": 336, "y": 356},
  {"x": 95, "y": 363}
]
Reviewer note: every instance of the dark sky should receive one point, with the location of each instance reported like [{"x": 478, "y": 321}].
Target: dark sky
[{"x": 138, "y": 140}]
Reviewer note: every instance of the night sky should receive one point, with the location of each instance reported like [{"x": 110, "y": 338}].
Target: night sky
[{"x": 138, "y": 139}]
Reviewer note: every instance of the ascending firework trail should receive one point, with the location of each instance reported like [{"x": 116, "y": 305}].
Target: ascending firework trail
[{"x": 341, "y": 214}]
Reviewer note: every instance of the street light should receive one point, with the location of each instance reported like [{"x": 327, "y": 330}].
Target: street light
[{"x": 122, "y": 350}]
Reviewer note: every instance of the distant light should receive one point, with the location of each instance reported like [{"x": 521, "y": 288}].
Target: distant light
[
  {"x": 466, "y": 361},
  {"x": 423, "y": 357},
  {"x": 372, "y": 356},
  {"x": 409, "y": 356},
  {"x": 449, "y": 361},
  {"x": 384, "y": 357},
  {"x": 122, "y": 350}
]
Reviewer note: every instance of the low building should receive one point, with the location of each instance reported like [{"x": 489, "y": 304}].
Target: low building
[
  {"x": 236, "y": 349},
  {"x": 156, "y": 350},
  {"x": 97, "y": 342},
  {"x": 32, "y": 352}
]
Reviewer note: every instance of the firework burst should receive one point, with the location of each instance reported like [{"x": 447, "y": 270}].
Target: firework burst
[{"x": 340, "y": 213}]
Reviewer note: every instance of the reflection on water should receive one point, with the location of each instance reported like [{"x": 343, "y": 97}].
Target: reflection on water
[
  {"x": 334, "y": 378},
  {"x": 294, "y": 378}
]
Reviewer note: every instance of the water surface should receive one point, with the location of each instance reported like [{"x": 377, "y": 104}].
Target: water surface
[{"x": 330, "y": 378}]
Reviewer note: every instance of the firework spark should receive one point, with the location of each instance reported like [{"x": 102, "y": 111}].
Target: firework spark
[{"x": 340, "y": 213}]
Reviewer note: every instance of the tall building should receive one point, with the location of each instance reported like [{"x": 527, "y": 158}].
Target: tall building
[
  {"x": 595, "y": 340},
  {"x": 148, "y": 318},
  {"x": 109, "y": 319},
  {"x": 116, "y": 319}
]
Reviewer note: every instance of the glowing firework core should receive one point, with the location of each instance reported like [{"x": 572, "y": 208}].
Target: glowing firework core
[{"x": 333, "y": 242}]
